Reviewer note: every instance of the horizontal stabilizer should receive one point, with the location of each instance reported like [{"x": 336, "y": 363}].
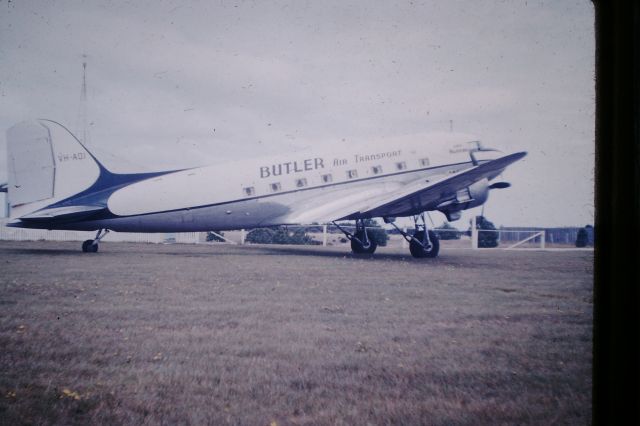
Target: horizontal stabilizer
[{"x": 60, "y": 214}]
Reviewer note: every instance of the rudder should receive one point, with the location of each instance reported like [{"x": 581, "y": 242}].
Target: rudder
[{"x": 46, "y": 162}]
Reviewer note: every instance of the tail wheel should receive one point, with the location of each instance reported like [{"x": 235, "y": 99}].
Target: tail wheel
[
  {"x": 419, "y": 251},
  {"x": 358, "y": 247}
]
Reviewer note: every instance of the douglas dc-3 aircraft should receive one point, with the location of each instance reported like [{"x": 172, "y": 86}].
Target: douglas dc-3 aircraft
[{"x": 56, "y": 183}]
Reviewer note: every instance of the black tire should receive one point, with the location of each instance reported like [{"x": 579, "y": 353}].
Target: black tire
[
  {"x": 418, "y": 251},
  {"x": 357, "y": 247},
  {"x": 89, "y": 247}
]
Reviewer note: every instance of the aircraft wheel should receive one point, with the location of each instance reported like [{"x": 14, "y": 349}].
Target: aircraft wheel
[
  {"x": 418, "y": 251},
  {"x": 89, "y": 247},
  {"x": 357, "y": 247}
]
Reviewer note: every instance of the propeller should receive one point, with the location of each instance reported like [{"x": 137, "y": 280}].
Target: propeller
[{"x": 496, "y": 185}]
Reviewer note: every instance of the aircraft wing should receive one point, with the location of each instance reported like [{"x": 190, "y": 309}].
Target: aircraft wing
[{"x": 422, "y": 195}]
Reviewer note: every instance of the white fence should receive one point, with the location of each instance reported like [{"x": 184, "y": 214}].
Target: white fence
[
  {"x": 527, "y": 238},
  {"x": 534, "y": 236}
]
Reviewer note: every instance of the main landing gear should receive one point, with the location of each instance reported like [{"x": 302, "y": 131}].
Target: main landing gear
[
  {"x": 91, "y": 246},
  {"x": 423, "y": 243},
  {"x": 360, "y": 241}
]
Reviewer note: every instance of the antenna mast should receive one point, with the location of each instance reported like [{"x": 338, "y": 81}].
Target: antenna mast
[{"x": 83, "y": 102}]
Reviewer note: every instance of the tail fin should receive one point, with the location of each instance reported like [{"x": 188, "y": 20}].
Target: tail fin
[{"x": 46, "y": 162}]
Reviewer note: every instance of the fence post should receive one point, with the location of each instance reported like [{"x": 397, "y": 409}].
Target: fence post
[
  {"x": 474, "y": 233},
  {"x": 324, "y": 235},
  {"x": 242, "y": 236},
  {"x": 542, "y": 239}
]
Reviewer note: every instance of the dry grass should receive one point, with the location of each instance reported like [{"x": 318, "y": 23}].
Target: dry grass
[{"x": 146, "y": 334}]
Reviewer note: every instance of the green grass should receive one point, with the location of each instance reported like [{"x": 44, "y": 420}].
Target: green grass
[{"x": 146, "y": 334}]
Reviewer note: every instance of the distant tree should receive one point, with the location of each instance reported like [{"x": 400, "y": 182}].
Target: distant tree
[
  {"x": 447, "y": 232},
  {"x": 582, "y": 238},
  {"x": 486, "y": 239},
  {"x": 376, "y": 232},
  {"x": 332, "y": 229},
  {"x": 591, "y": 235},
  {"x": 213, "y": 237},
  {"x": 300, "y": 237},
  {"x": 279, "y": 235},
  {"x": 315, "y": 227},
  {"x": 260, "y": 236}
]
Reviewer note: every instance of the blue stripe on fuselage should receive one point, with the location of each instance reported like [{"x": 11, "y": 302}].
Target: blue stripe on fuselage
[{"x": 106, "y": 184}]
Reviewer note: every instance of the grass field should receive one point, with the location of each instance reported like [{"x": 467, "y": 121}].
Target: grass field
[{"x": 257, "y": 335}]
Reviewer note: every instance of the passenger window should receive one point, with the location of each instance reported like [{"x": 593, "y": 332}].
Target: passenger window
[
  {"x": 352, "y": 174},
  {"x": 327, "y": 178},
  {"x": 424, "y": 161},
  {"x": 301, "y": 183},
  {"x": 401, "y": 165},
  {"x": 376, "y": 170},
  {"x": 249, "y": 191},
  {"x": 275, "y": 187}
]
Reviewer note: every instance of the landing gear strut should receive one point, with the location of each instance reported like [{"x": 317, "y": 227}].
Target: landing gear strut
[
  {"x": 91, "y": 246},
  {"x": 423, "y": 243},
  {"x": 360, "y": 241}
]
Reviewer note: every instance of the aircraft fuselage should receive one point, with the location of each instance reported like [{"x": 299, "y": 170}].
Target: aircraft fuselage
[{"x": 267, "y": 191}]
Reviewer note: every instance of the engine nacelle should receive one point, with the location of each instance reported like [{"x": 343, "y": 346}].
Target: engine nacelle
[{"x": 472, "y": 196}]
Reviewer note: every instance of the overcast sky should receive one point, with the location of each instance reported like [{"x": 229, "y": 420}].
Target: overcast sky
[{"x": 175, "y": 84}]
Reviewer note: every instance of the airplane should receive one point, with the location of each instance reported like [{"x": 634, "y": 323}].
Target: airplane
[{"x": 55, "y": 182}]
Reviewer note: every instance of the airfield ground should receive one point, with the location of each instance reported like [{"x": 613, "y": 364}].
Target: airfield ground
[{"x": 259, "y": 335}]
